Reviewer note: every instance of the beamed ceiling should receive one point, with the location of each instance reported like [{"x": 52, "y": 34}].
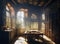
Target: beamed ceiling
[{"x": 39, "y": 3}]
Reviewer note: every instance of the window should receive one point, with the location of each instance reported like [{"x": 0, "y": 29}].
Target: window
[
  {"x": 20, "y": 18},
  {"x": 43, "y": 27},
  {"x": 10, "y": 17},
  {"x": 33, "y": 16},
  {"x": 34, "y": 25},
  {"x": 43, "y": 16}
]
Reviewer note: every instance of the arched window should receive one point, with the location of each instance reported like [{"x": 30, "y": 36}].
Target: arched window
[
  {"x": 10, "y": 17},
  {"x": 43, "y": 24},
  {"x": 21, "y": 15},
  {"x": 21, "y": 22},
  {"x": 20, "y": 18}
]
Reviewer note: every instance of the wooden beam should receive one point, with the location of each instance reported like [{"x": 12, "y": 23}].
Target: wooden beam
[
  {"x": 41, "y": 3},
  {"x": 47, "y": 3},
  {"x": 18, "y": 1},
  {"x": 14, "y": 1},
  {"x": 30, "y": 1},
  {"x": 25, "y": 1},
  {"x": 35, "y": 2}
]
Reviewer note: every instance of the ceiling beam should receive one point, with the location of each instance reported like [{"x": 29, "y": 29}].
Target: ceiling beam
[
  {"x": 14, "y": 2},
  {"x": 33, "y": 2},
  {"x": 46, "y": 4}
]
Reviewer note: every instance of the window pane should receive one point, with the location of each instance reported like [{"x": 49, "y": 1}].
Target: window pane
[
  {"x": 34, "y": 25},
  {"x": 43, "y": 16},
  {"x": 43, "y": 27},
  {"x": 20, "y": 18},
  {"x": 7, "y": 8},
  {"x": 8, "y": 20}
]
